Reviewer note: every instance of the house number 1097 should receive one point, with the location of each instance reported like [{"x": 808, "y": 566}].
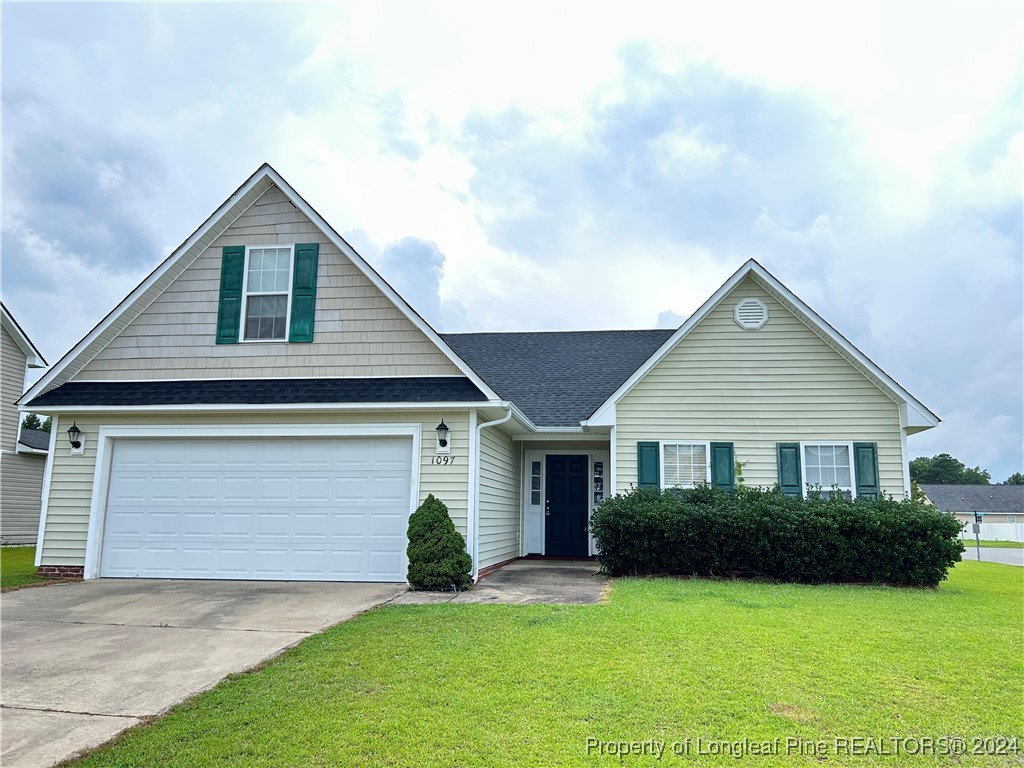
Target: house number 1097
[{"x": 444, "y": 460}]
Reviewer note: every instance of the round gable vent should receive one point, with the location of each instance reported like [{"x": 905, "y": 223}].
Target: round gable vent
[{"x": 751, "y": 314}]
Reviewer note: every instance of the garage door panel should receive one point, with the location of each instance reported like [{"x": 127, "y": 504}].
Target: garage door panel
[
  {"x": 383, "y": 562},
  {"x": 302, "y": 508},
  {"x": 388, "y": 526}
]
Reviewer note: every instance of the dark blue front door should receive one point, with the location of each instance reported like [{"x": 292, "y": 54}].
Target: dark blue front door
[{"x": 565, "y": 508}]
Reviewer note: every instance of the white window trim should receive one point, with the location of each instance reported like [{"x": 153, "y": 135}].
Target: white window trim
[
  {"x": 661, "y": 460},
  {"x": 828, "y": 443},
  {"x": 245, "y": 294}
]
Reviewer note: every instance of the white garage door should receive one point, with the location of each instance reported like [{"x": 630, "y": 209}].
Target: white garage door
[{"x": 309, "y": 509}]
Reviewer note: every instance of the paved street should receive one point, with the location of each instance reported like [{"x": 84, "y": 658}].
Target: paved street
[{"x": 993, "y": 555}]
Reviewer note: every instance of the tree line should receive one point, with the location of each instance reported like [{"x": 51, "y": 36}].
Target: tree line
[{"x": 944, "y": 469}]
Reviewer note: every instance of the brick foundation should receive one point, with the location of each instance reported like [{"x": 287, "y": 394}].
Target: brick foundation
[
  {"x": 60, "y": 571},
  {"x": 485, "y": 572}
]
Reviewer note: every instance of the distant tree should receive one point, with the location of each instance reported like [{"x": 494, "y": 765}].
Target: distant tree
[
  {"x": 943, "y": 469},
  {"x": 32, "y": 421},
  {"x": 976, "y": 476},
  {"x": 1017, "y": 478}
]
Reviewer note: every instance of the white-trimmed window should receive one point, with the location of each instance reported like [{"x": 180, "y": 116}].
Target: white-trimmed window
[
  {"x": 685, "y": 464},
  {"x": 267, "y": 292},
  {"x": 1011, "y": 518},
  {"x": 828, "y": 465}
]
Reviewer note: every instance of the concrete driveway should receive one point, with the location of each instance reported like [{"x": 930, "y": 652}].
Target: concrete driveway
[{"x": 82, "y": 662}]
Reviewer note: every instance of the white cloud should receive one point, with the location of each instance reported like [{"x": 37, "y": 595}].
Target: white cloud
[{"x": 575, "y": 170}]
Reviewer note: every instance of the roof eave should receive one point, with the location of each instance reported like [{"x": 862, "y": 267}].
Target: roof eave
[
  {"x": 33, "y": 357},
  {"x": 260, "y": 407}
]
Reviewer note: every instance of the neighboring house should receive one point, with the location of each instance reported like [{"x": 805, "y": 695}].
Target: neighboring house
[
  {"x": 265, "y": 406},
  {"x": 22, "y": 452},
  {"x": 995, "y": 503}
]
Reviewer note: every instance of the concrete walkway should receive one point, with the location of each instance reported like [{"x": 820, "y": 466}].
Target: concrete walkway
[
  {"x": 525, "y": 581},
  {"x": 994, "y": 555},
  {"x": 82, "y": 662}
]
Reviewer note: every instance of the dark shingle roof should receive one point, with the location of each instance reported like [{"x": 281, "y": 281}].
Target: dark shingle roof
[
  {"x": 994, "y": 499},
  {"x": 35, "y": 439},
  {"x": 557, "y": 379},
  {"x": 420, "y": 389}
]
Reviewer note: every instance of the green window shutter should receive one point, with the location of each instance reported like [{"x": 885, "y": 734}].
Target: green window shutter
[
  {"x": 648, "y": 465},
  {"x": 229, "y": 313},
  {"x": 789, "y": 468},
  {"x": 304, "y": 292},
  {"x": 722, "y": 466},
  {"x": 865, "y": 462}
]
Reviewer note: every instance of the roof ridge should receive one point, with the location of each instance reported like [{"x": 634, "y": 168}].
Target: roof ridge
[{"x": 592, "y": 330}]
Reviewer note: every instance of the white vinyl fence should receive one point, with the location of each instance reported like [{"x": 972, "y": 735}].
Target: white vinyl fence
[{"x": 995, "y": 532}]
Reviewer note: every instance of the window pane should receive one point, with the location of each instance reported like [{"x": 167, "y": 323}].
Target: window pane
[
  {"x": 269, "y": 269},
  {"x": 265, "y": 317},
  {"x": 535, "y": 483},
  {"x": 827, "y": 466},
  {"x": 685, "y": 465}
]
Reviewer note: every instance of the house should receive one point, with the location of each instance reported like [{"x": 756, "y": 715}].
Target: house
[
  {"x": 265, "y": 406},
  {"x": 995, "y": 503},
  {"x": 22, "y": 451}
]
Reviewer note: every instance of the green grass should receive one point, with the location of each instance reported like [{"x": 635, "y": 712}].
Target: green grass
[
  {"x": 665, "y": 659},
  {"x": 17, "y": 567},
  {"x": 995, "y": 544}
]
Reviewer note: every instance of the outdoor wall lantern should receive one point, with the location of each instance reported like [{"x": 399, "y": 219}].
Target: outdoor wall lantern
[
  {"x": 77, "y": 440},
  {"x": 443, "y": 446},
  {"x": 75, "y": 436},
  {"x": 442, "y": 437}
]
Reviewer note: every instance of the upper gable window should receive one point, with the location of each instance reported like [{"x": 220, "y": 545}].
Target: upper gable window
[{"x": 268, "y": 284}]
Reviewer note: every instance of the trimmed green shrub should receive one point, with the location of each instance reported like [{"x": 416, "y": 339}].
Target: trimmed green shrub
[
  {"x": 437, "y": 552},
  {"x": 757, "y": 533}
]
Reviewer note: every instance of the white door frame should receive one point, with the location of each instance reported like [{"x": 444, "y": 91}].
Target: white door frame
[
  {"x": 107, "y": 435},
  {"x": 530, "y": 456}
]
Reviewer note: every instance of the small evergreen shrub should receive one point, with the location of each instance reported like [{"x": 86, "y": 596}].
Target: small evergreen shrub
[
  {"x": 757, "y": 533},
  {"x": 437, "y": 552}
]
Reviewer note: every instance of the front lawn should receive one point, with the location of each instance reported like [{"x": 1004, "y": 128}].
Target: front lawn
[
  {"x": 985, "y": 544},
  {"x": 663, "y": 659},
  {"x": 18, "y": 567}
]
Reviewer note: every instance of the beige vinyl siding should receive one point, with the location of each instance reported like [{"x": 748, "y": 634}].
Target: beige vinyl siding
[
  {"x": 500, "y": 478},
  {"x": 12, "y": 383},
  {"x": 358, "y": 331},
  {"x": 781, "y": 383},
  {"x": 21, "y": 483},
  {"x": 21, "y": 474},
  {"x": 67, "y": 516}
]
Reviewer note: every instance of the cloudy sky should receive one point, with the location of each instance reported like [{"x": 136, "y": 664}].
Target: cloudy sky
[{"x": 550, "y": 167}]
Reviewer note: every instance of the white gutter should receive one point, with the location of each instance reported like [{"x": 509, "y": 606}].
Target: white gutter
[{"x": 473, "y": 510}]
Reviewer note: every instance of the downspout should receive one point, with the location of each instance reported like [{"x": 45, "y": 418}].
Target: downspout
[{"x": 473, "y": 517}]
